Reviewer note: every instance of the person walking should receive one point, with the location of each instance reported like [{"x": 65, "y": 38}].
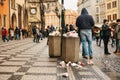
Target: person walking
[
  {"x": 84, "y": 23},
  {"x": 101, "y": 37},
  {"x": 4, "y": 34},
  {"x": 34, "y": 33},
  {"x": 17, "y": 33},
  {"x": 97, "y": 35},
  {"x": 106, "y": 35},
  {"x": 38, "y": 34},
  {"x": 117, "y": 32},
  {"x": 12, "y": 33}
]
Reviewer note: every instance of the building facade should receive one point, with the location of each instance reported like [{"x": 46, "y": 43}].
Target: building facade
[
  {"x": 18, "y": 14},
  {"x": 70, "y": 16},
  {"x": 41, "y": 12},
  {"x": 52, "y": 14},
  {"x": 34, "y": 17},
  {"x": 4, "y": 14},
  {"x": 112, "y": 10},
  {"x": 90, "y": 5},
  {"x": 102, "y": 11}
]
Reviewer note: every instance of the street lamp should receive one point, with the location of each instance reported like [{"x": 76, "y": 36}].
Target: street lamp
[
  {"x": 63, "y": 18},
  {"x": 58, "y": 15},
  {"x": 42, "y": 14}
]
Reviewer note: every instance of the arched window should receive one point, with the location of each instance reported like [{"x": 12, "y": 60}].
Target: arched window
[{"x": 13, "y": 4}]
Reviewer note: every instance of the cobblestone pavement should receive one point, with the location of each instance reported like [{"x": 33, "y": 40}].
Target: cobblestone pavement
[
  {"x": 25, "y": 60},
  {"x": 109, "y": 64}
]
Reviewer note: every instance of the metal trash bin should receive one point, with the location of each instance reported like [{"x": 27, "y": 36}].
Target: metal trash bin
[
  {"x": 54, "y": 43},
  {"x": 70, "y": 49}
]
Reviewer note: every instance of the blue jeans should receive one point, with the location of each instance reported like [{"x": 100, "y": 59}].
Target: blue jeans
[
  {"x": 118, "y": 46},
  {"x": 86, "y": 39},
  {"x": 17, "y": 37}
]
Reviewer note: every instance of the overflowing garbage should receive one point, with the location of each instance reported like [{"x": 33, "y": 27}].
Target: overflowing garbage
[
  {"x": 55, "y": 33},
  {"x": 71, "y": 34}
]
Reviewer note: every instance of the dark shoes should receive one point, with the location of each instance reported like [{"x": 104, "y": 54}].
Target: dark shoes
[
  {"x": 91, "y": 57},
  {"x": 107, "y": 53},
  {"x": 85, "y": 57}
]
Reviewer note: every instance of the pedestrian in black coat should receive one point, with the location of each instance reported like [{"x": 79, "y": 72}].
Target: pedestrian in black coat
[{"x": 106, "y": 36}]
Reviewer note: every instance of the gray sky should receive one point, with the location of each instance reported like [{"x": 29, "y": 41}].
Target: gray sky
[{"x": 70, "y": 4}]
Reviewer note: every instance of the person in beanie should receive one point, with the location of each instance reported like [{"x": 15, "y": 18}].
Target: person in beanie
[
  {"x": 84, "y": 23},
  {"x": 117, "y": 32}
]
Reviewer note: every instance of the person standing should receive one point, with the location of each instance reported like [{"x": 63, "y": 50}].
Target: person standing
[
  {"x": 84, "y": 23},
  {"x": 17, "y": 33},
  {"x": 117, "y": 32},
  {"x": 106, "y": 35}
]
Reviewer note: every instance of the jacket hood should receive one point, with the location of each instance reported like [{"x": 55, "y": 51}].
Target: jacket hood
[{"x": 84, "y": 11}]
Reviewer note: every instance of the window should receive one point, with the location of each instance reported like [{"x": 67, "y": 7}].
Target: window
[
  {"x": 114, "y": 4},
  {"x": 97, "y": 9},
  {"x": 13, "y": 4},
  {"x": 4, "y": 18},
  {"x": 109, "y": 6},
  {"x": 48, "y": 5},
  {"x": 109, "y": 17},
  {"x": 97, "y": 19},
  {"x": 114, "y": 16}
]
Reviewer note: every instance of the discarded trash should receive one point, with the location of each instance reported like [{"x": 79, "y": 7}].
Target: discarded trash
[
  {"x": 71, "y": 34},
  {"x": 81, "y": 63},
  {"x": 65, "y": 75},
  {"x": 90, "y": 62},
  {"x": 76, "y": 65},
  {"x": 55, "y": 33},
  {"x": 73, "y": 64},
  {"x": 68, "y": 64},
  {"x": 62, "y": 63}
]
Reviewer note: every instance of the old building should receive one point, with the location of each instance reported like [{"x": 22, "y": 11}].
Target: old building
[
  {"x": 102, "y": 11},
  {"x": 17, "y": 13},
  {"x": 42, "y": 11},
  {"x": 34, "y": 12},
  {"x": 80, "y": 5},
  {"x": 4, "y": 14},
  {"x": 90, "y": 5},
  {"x": 70, "y": 16},
  {"x": 112, "y": 9},
  {"x": 52, "y": 14}
]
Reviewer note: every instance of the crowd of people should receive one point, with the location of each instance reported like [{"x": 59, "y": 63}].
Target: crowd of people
[
  {"x": 13, "y": 34},
  {"x": 109, "y": 32},
  {"x": 86, "y": 33},
  {"x": 84, "y": 28},
  {"x": 39, "y": 33}
]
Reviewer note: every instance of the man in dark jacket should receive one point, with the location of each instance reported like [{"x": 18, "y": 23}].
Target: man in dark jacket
[
  {"x": 106, "y": 35},
  {"x": 84, "y": 23},
  {"x": 34, "y": 33}
]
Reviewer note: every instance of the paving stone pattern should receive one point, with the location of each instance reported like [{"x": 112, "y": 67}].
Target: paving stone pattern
[{"x": 25, "y": 60}]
